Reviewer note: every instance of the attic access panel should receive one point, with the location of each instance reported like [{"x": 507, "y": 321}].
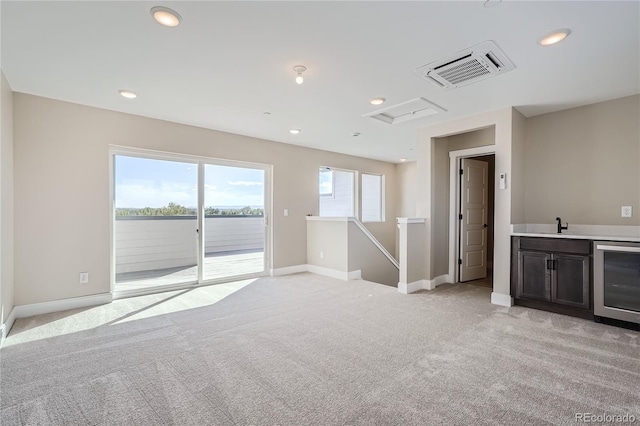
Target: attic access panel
[{"x": 410, "y": 110}]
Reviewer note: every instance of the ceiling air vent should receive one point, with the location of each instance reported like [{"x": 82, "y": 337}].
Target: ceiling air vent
[
  {"x": 468, "y": 66},
  {"x": 410, "y": 110}
]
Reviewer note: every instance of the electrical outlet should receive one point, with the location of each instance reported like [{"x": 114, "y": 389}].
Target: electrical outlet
[
  {"x": 84, "y": 277},
  {"x": 321, "y": 255},
  {"x": 627, "y": 211},
  {"x": 286, "y": 212}
]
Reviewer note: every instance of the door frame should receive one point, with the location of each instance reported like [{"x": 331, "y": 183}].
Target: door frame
[
  {"x": 199, "y": 162},
  {"x": 267, "y": 258},
  {"x": 455, "y": 158}
]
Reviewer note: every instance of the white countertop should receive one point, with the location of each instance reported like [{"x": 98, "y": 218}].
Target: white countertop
[{"x": 581, "y": 232}]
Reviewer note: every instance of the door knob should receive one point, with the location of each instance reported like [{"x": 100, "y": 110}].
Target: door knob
[{"x": 485, "y": 225}]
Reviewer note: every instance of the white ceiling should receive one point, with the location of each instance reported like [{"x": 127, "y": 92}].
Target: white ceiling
[{"x": 229, "y": 62}]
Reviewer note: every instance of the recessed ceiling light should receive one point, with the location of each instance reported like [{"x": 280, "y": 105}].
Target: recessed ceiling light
[
  {"x": 403, "y": 159},
  {"x": 555, "y": 37},
  {"x": 128, "y": 94},
  {"x": 165, "y": 16},
  {"x": 294, "y": 131},
  {"x": 377, "y": 101}
]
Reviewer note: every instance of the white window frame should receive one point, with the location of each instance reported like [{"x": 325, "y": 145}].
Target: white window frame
[
  {"x": 355, "y": 204},
  {"x": 382, "y": 197},
  {"x": 330, "y": 171}
]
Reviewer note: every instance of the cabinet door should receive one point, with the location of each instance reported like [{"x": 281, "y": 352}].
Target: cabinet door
[
  {"x": 571, "y": 280},
  {"x": 534, "y": 275}
]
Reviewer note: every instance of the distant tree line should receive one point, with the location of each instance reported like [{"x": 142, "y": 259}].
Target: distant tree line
[{"x": 174, "y": 209}]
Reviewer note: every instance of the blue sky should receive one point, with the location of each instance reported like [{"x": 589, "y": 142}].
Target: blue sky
[
  {"x": 326, "y": 181},
  {"x": 142, "y": 182}
]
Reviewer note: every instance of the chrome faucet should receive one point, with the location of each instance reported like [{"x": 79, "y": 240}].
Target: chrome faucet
[{"x": 560, "y": 227}]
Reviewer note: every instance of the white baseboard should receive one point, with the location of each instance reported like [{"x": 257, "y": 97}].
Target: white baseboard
[
  {"x": 334, "y": 273},
  {"x": 406, "y": 288},
  {"x": 288, "y": 270},
  {"x": 439, "y": 280},
  {"x": 354, "y": 275},
  {"x": 414, "y": 286},
  {"x": 327, "y": 272},
  {"x": 6, "y": 327},
  {"x": 24, "y": 311},
  {"x": 501, "y": 299}
]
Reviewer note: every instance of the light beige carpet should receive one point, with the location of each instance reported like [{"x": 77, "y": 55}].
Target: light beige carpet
[{"x": 310, "y": 350}]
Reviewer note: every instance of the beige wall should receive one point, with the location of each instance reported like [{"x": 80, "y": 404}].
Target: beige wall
[
  {"x": 441, "y": 207},
  {"x": 340, "y": 245},
  {"x": 406, "y": 189},
  {"x": 481, "y": 137},
  {"x": 441, "y": 181},
  {"x": 6, "y": 202},
  {"x": 430, "y": 172},
  {"x": 411, "y": 252},
  {"x": 328, "y": 244},
  {"x": 517, "y": 180},
  {"x": 62, "y": 168},
  {"x": 365, "y": 256},
  {"x": 582, "y": 164}
]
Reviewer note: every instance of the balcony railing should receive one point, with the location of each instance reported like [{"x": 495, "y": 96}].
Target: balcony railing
[{"x": 147, "y": 243}]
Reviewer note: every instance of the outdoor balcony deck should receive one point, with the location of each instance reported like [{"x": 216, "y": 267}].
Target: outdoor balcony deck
[
  {"x": 216, "y": 266},
  {"x": 159, "y": 251}
]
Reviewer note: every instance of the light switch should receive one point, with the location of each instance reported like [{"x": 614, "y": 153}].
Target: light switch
[{"x": 286, "y": 212}]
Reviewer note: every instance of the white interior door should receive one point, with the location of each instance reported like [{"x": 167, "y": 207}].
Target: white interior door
[{"x": 473, "y": 220}]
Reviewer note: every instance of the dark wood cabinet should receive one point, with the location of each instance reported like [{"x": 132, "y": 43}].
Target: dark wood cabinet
[
  {"x": 552, "y": 274},
  {"x": 534, "y": 277},
  {"x": 572, "y": 278}
]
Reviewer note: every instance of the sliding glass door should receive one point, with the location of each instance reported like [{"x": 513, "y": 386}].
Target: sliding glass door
[
  {"x": 155, "y": 226},
  {"x": 183, "y": 221},
  {"x": 234, "y": 221}
]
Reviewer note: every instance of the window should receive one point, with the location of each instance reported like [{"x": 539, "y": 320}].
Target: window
[
  {"x": 337, "y": 192},
  {"x": 372, "y": 198},
  {"x": 326, "y": 182}
]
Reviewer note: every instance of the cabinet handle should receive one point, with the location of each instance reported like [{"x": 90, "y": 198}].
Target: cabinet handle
[{"x": 549, "y": 264}]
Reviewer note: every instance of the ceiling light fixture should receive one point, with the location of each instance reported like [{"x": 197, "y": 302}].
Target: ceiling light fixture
[
  {"x": 377, "y": 101},
  {"x": 299, "y": 69},
  {"x": 128, "y": 94},
  {"x": 165, "y": 16},
  {"x": 555, "y": 37},
  {"x": 294, "y": 131},
  {"x": 403, "y": 160}
]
